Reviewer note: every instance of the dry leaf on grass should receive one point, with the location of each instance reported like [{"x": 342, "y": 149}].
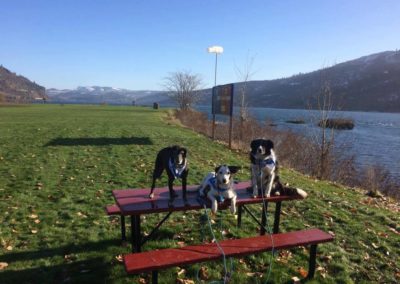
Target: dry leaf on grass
[
  {"x": 142, "y": 280},
  {"x": 119, "y": 258},
  {"x": 34, "y": 231},
  {"x": 33, "y": 216},
  {"x": 184, "y": 281},
  {"x": 181, "y": 271},
  {"x": 3, "y": 265},
  {"x": 296, "y": 280},
  {"x": 9, "y": 248},
  {"x": 203, "y": 273},
  {"x": 394, "y": 230},
  {"x": 302, "y": 272}
]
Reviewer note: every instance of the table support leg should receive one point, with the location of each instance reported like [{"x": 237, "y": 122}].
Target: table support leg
[
  {"x": 146, "y": 238},
  {"x": 239, "y": 220},
  {"x": 136, "y": 233},
  {"x": 154, "y": 277},
  {"x": 263, "y": 218},
  {"x": 311, "y": 267},
  {"x": 123, "y": 228},
  {"x": 277, "y": 216}
]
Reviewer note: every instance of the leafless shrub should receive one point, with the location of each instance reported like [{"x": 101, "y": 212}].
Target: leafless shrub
[{"x": 295, "y": 151}]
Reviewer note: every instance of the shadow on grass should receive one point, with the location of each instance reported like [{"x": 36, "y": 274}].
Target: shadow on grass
[
  {"x": 58, "y": 251},
  {"x": 99, "y": 141},
  {"x": 91, "y": 270}
]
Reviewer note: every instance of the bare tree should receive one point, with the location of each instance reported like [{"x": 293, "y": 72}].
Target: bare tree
[
  {"x": 324, "y": 139},
  {"x": 183, "y": 87},
  {"x": 244, "y": 75}
]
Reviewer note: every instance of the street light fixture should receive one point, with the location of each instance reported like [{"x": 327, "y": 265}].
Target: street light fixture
[{"x": 217, "y": 50}]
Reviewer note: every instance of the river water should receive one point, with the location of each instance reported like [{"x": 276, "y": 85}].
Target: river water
[{"x": 375, "y": 139}]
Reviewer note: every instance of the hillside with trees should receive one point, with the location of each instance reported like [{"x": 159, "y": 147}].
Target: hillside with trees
[
  {"x": 18, "y": 89},
  {"x": 369, "y": 83}
]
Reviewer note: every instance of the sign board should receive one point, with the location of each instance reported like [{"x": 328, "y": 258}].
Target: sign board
[{"x": 222, "y": 99}]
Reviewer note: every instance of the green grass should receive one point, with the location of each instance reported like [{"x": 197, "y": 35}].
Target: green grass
[{"x": 59, "y": 164}]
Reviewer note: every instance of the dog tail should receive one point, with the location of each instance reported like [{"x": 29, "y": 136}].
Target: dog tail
[{"x": 301, "y": 192}]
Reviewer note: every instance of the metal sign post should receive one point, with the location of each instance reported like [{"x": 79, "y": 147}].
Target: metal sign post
[{"x": 222, "y": 103}]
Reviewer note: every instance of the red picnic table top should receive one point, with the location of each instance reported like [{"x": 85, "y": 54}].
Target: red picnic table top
[{"x": 137, "y": 201}]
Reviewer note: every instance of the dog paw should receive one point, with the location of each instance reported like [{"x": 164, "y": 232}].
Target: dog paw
[{"x": 151, "y": 195}]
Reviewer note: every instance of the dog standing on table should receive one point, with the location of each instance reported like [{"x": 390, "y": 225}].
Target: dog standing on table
[
  {"x": 264, "y": 171},
  {"x": 218, "y": 185},
  {"x": 173, "y": 160}
]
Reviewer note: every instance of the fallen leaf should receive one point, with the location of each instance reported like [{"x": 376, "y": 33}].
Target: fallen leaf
[
  {"x": 33, "y": 216},
  {"x": 374, "y": 246},
  {"x": 34, "y": 231},
  {"x": 203, "y": 273},
  {"x": 302, "y": 272},
  {"x": 296, "y": 280},
  {"x": 37, "y": 221},
  {"x": 3, "y": 265},
  {"x": 119, "y": 258},
  {"x": 184, "y": 281},
  {"x": 142, "y": 280},
  {"x": 180, "y": 272},
  {"x": 9, "y": 248},
  {"x": 394, "y": 230}
]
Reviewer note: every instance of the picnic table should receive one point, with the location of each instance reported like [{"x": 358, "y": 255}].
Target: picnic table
[{"x": 136, "y": 202}]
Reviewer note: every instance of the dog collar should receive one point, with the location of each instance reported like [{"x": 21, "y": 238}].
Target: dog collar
[
  {"x": 177, "y": 172},
  {"x": 213, "y": 184},
  {"x": 270, "y": 163}
]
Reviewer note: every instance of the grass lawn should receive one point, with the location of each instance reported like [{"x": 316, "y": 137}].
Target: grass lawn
[{"x": 59, "y": 164}]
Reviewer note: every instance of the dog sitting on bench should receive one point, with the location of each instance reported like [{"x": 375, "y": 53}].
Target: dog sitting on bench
[
  {"x": 218, "y": 185},
  {"x": 174, "y": 161},
  {"x": 264, "y": 171}
]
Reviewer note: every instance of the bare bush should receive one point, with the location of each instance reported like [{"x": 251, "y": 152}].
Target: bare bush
[{"x": 295, "y": 151}]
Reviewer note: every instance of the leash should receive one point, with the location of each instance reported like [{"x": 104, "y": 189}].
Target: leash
[
  {"x": 227, "y": 275},
  {"x": 267, "y": 223}
]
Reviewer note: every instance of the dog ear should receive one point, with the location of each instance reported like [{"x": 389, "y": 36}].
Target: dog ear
[
  {"x": 217, "y": 169},
  {"x": 253, "y": 144},
  {"x": 268, "y": 144},
  {"x": 234, "y": 169},
  {"x": 183, "y": 151}
]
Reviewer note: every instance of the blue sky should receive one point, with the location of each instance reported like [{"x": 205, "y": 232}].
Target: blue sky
[{"x": 135, "y": 44}]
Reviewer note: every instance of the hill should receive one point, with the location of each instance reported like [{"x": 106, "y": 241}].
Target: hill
[
  {"x": 369, "y": 83},
  {"x": 18, "y": 89},
  {"x": 58, "y": 176},
  {"x": 106, "y": 95}
]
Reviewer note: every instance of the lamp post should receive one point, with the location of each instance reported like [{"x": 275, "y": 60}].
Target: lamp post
[{"x": 217, "y": 50}]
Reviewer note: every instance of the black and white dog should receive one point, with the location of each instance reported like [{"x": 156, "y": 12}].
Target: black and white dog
[
  {"x": 218, "y": 186},
  {"x": 264, "y": 171},
  {"x": 172, "y": 159},
  {"x": 263, "y": 166}
]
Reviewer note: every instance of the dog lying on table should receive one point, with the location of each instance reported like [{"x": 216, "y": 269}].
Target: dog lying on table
[
  {"x": 264, "y": 171},
  {"x": 173, "y": 160},
  {"x": 218, "y": 186}
]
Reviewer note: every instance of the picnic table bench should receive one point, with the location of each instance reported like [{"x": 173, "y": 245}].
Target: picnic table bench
[
  {"x": 160, "y": 259},
  {"x": 136, "y": 202}
]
